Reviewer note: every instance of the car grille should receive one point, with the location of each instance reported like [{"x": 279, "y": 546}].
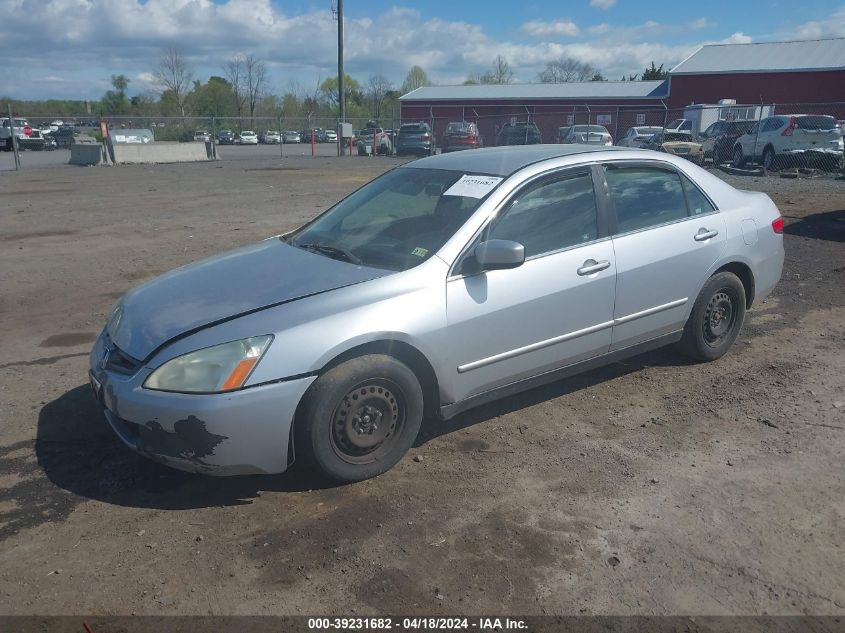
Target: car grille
[{"x": 118, "y": 361}]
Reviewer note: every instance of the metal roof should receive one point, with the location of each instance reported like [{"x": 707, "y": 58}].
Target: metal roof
[
  {"x": 523, "y": 92},
  {"x": 503, "y": 161},
  {"x": 826, "y": 54}
]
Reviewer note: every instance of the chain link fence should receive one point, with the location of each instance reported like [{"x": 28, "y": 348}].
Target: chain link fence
[{"x": 774, "y": 136}]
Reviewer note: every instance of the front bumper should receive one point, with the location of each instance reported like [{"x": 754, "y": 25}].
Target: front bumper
[
  {"x": 236, "y": 433},
  {"x": 413, "y": 147}
]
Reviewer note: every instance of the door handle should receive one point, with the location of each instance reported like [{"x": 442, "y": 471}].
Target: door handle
[
  {"x": 592, "y": 266},
  {"x": 704, "y": 234}
]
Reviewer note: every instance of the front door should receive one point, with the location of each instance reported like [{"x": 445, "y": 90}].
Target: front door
[{"x": 554, "y": 309}]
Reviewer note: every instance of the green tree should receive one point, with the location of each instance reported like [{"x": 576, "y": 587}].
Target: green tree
[
  {"x": 654, "y": 73},
  {"x": 114, "y": 101},
  {"x": 416, "y": 78},
  {"x": 214, "y": 98},
  {"x": 329, "y": 92}
]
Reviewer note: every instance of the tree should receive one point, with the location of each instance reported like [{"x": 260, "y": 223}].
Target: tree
[
  {"x": 598, "y": 77},
  {"x": 566, "y": 69},
  {"x": 255, "y": 76},
  {"x": 352, "y": 91},
  {"x": 500, "y": 73},
  {"x": 655, "y": 73},
  {"x": 378, "y": 89},
  {"x": 215, "y": 98},
  {"x": 234, "y": 71},
  {"x": 173, "y": 73},
  {"x": 415, "y": 78},
  {"x": 114, "y": 101}
]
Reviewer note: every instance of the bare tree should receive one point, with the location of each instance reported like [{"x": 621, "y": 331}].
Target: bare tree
[
  {"x": 566, "y": 69},
  {"x": 500, "y": 73},
  {"x": 234, "y": 70},
  {"x": 378, "y": 86},
  {"x": 255, "y": 78},
  {"x": 175, "y": 74}
]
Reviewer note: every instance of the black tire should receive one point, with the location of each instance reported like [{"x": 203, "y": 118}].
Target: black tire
[
  {"x": 716, "y": 318},
  {"x": 769, "y": 159},
  {"x": 359, "y": 418},
  {"x": 737, "y": 160}
]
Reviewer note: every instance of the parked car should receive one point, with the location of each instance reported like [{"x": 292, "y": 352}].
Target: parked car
[
  {"x": 638, "y": 136},
  {"x": 305, "y": 135},
  {"x": 562, "y": 133},
  {"x": 202, "y": 135},
  {"x": 443, "y": 284},
  {"x": 679, "y": 144},
  {"x": 788, "y": 138},
  {"x": 248, "y": 137},
  {"x": 28, "y": 137},
  {"x": 719, "y": 138},
  {"x": 370, "y": 136},
  {"x": 519, "y": 133},
  {"x": 589, "y": 135},
  {"x": 328, "y": 136},
  {"x": 63, "y": 137},
  {"x": 416, "y": 139},
  {"x": 225, "y": 137},
  {"x": 290, "y": 136},
  {"x": 679, "y": 125},
  {"x": 270, "y": 137},
  {"x": 461, "y": 135}
]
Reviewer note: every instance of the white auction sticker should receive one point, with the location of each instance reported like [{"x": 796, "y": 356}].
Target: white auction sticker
[{"x": 473, "y": 186}]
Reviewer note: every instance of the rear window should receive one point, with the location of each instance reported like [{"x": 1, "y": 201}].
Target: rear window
[
  {"x": 460, "y": 128},
  {"x": 600, "y": 129},
  {"x": 413, "y": 127},
  {"x": 816, "y": 122}
]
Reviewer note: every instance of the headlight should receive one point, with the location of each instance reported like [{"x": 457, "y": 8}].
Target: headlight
[{"x": 211, "y": 370}]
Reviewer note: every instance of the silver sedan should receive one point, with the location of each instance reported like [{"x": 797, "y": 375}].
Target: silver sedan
[{"x": 443, "y": 284}]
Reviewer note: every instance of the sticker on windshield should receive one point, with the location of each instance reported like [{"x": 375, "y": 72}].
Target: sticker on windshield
[
  {"x": 473, "y": 186},
  {"x": 419, "y": 252}
]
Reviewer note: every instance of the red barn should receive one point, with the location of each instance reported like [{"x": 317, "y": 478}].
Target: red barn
[
  {"x": 799, "y": 72},
  {"x": 617, "y": 105}
]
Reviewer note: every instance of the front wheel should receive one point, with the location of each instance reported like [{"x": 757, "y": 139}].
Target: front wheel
[
  {"x": 716, "y": 318},
  {"x": 360, "y": 418},
  {"x": 738, "y": 160},
  {"x": 769, "y": 158}
]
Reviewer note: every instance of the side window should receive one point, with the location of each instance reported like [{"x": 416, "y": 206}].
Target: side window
[
  {"x": 550, "y": 215},
  {"x": 645, "y": 196},
  {"x": 697, "y": 201}
]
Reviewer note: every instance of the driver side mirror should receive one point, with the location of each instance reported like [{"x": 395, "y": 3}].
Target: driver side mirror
[{"x": 499, "y": 255}]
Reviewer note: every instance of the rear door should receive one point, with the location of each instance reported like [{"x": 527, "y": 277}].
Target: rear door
[{"x": 667, "y": 234}]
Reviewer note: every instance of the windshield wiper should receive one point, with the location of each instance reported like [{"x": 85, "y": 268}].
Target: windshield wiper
[{"x": 335, "y": 252}]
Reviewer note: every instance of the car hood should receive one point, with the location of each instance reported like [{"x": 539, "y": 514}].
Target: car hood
[{"x": 223, "y": 287}]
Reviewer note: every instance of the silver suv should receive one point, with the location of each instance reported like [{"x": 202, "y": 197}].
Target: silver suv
[{"x": 809, "y": 139}]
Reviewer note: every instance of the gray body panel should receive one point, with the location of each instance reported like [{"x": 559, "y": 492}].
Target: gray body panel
[{"x": 478, "y": 332}]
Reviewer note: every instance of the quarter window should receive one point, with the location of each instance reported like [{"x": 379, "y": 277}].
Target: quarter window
[
  {"x": 645, "y": 197},
  {"x": 550, "y": 215},
  {"x": 697, "y": 201}
]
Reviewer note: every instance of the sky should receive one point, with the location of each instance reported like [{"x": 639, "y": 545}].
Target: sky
[{"x": 69, "y": 49}]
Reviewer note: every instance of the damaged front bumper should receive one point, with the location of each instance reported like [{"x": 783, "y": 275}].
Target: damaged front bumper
[{"x": 236, "y": 433}]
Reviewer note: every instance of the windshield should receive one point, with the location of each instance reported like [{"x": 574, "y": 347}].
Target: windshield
[
  {"x": 648, "y": 130},
  {"x": 398, "y": 220}
]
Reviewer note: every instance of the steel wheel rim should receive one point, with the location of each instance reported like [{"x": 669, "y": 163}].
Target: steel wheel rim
[
  {"x": 719, "y": 318},
  {"x": 368, "y": 421}
]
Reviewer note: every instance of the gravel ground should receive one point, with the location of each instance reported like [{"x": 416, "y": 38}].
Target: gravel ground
[{"x": 653, "y": 486}]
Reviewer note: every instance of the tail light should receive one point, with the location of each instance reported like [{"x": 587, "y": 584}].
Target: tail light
[
  {"x": 426, "y": 137},
  {"x": 789, "y": 128},
  {"x": 777, "y": 225}
]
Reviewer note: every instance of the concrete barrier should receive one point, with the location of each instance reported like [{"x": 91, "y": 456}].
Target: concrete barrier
[
  {"x": 85, "y": 154},
  {"x": 132, "y": 153}
]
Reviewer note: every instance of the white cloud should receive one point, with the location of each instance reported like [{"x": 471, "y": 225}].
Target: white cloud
[
  {"x": 604, "y": 5},
  {"x": 700, "y": 23},
  {"x": 735, "y": 38},
  {"x": 832, "y": 26},
  {"x": 541, "y": 28}
]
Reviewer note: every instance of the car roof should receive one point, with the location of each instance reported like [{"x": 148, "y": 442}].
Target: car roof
[{"x": 504, "y": 161}]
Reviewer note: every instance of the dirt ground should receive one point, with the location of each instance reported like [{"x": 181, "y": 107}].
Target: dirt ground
[{"x": 653, "y": 486}]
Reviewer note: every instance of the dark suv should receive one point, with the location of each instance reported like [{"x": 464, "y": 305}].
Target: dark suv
[
  {"x": 225, "y": 137},
  {"x": 519, "y": 133},
  {"x": 415, "y": 138},
  {"x": 461, "y": 135},
  {"x": 719, "y": 138}
]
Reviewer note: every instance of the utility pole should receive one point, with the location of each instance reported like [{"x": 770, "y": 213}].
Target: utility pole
[{"x": 340, "y": 92}]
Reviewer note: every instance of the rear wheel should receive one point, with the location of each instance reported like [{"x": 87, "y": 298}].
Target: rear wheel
[
  {"x": 360, "y": 418},
  {"x": 716, "y": 318},
  {"x": 738, "y": 159}
]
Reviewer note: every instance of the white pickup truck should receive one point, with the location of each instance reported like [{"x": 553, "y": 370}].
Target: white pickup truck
[{"x": 29, "y": 137}]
